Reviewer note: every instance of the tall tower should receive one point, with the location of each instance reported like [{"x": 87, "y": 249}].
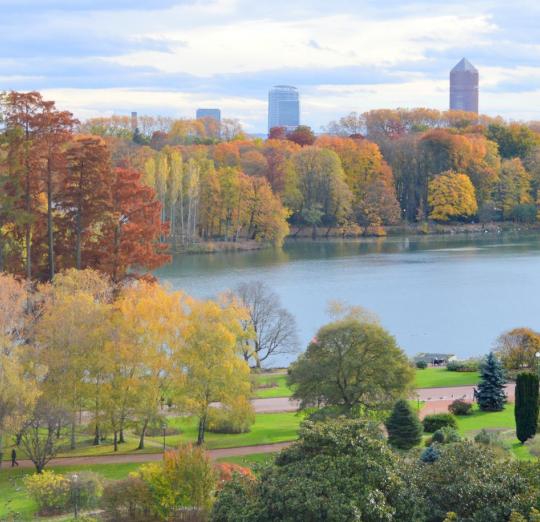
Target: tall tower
[
  {"x": 283, "y": 107},
  {"x": 134, "y": 121},
  {"x": 464, "y": 87}
]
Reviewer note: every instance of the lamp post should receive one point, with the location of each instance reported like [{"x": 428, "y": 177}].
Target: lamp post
[
  {"x": 75, "y": 494},
  {"x": 164, "y": 428}
]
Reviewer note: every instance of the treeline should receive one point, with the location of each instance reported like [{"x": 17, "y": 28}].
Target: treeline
[{"x": 105, "y": 195}]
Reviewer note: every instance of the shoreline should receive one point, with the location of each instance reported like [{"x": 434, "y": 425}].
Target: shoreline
[{"x": 336, "y": 235}]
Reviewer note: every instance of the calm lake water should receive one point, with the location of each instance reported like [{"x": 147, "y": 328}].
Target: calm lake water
[{"x": 452, "y": 294}]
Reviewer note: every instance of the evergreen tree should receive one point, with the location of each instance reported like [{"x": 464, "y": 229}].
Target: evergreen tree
[
  {"x": 490, "y": 393},
  {"x": 526, "y": 411},
  {"x": 404, "y": 428}
]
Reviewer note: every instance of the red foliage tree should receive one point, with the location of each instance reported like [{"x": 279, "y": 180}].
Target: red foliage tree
[
  {"x": 131, "y": 234},
  {"x": 303, "y": 135}
]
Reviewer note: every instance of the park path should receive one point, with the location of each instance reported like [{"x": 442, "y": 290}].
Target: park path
[
  {"x": 140, "y": 458},
  {"x": 427, "y": 395}
]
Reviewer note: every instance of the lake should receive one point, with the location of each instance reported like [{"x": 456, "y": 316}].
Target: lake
[{"x": 452, "y": 294}]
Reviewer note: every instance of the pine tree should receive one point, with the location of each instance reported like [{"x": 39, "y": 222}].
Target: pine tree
[
  {"x": 404, "y": 428},
  {"x": 490, "y": 393},
  {"x": 526, "y": 410}
]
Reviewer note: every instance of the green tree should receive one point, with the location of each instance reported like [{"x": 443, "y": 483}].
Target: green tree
[
  {"x": 526, "y": 405},
  {"x": 490, "y": 393},
  {"x": 404, "y": 428},
  {"x": 353, "y": 364},
  {"x": 338, "y": 470}
]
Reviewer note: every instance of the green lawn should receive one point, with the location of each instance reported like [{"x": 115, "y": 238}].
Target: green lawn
[
  {"x": 14, "y": 501},
  {"x": 250, "y": 460},
  {"x": 441, "y": 377},
  {"x": 275, "y": 385},
  {"x": 269, "y": 428}
]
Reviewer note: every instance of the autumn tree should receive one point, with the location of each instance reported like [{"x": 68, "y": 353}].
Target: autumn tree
[
  {"x": 514, "y": 187},
  {"x": 208, "y": 359},
  {"x": 517, "y": 348},
  {"x": 302, "y": 135},
  {"x": 18, "y": 390},
  {"x": 451, "y": 195},
  {"x": 325, "y": 198},
  {"x": 132, "y": 230},
  {"x": 85, "y": 198},
  {"x": 274, "y": 328}
]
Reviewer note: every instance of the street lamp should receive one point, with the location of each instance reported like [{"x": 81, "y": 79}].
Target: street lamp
[
  {"x": 164, "y": 428},
  {"x": 75, "y": 494}
]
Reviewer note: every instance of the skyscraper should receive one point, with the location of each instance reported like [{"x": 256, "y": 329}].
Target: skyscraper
[
  {"x": 209, "y": 113},
  {"x": 283, "y": 107},
  {"x": 464, "y": 87}
]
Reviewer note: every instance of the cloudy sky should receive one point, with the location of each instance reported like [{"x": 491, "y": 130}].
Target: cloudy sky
[{"x": 99, "y": 57}]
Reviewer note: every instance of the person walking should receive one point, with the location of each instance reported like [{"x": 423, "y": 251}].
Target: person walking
[{"x": 14, "y": 458}]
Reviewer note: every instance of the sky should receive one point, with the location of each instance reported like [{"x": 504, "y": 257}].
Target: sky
[{"x": 168, "y": 57}]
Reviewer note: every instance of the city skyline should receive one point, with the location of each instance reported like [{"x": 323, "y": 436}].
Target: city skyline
[{"x": 99, "y": 58}]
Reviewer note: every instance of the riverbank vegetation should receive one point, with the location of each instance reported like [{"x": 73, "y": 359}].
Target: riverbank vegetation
[{"x": 107, "y": 195}]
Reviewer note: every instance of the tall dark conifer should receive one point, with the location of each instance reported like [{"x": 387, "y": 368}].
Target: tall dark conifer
[
  {"x": 526, "y": 407},
  {"x": 490, "y": 393},
  {"x": 404, "y": 428}
]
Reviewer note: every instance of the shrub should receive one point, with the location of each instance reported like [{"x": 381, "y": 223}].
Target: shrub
[
  {"x": 488, "y": 438},
  {"x": 185, "y": 479},
  {"x": 87, "y": 488},
  {"x": 236, "y": 418},
  {"x": 446, "y": 435},
  {"x": 421, "y": 365},
  {"x": 430, "y": 454},
  {"x": 49, "y": 490},
  {"x": 434, "y": 422},
  {"x": 226, "y": 471},
  {"x": 470, "y": 365},
  {"x": 127, "y": 500},
  {"x": 460, "y": 407}
]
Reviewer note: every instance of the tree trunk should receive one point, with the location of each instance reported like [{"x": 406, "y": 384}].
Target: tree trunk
[
  {"x": 202, "y": 426},
  {"x": 97, "y": 438},
  {"x": 121, "y": 439},
  {"x": 73, "y": 426},
  {"x": 143, "y": 433},
  {"x": 50, "y": 232},
  {"x": 115, "y": 440}
]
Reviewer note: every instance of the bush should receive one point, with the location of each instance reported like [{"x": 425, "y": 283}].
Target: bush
[
  {"x": 50, "y": 492},
  {"x": 127, "y": 500},
  {"x": 488, "y": 438},
  {"x": 435, "y": 422},
  {"x": 87, "y": 488},
  {"x": 470, "y": 365},
  {"x": 226, "y": 471},
  {"x": 460, "y": 407},
  {"x": 430, "y": 454},
  {"x": 236, "y": 418},
  {"x": 421, "y": 365},
  {"x": 446, "y": 435}
]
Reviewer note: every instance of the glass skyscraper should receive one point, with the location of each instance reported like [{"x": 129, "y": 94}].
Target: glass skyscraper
[
  {"x": 464, "y": 87},
  {"x": 283, "y": 107}
]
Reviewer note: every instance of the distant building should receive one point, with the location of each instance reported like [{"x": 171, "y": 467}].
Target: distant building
[
  {"x": 209, "y": 113},
  {"x": 464, "y": 87},
  {"x": 134, "y": 121},
  {"x": 283, "y": 107},
  {"x": 435, "y": 358}
]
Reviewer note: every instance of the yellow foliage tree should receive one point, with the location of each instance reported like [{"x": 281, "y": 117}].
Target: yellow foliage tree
[
  {"x": 451, "y": 195},
  {"x": 208, "y": 359}
]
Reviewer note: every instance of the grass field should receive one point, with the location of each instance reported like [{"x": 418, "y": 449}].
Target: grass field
[
  {"x": 441, "y": 377},
  {"x": 275, "y": 386},
  {"x": 269, "y": 428}
]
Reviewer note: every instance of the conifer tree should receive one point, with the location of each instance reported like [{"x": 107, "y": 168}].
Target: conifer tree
[
  {"x": 404, "y": 428},
  {"x": 490, "y": 393},
  {"x": 526, "y": 406}
]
